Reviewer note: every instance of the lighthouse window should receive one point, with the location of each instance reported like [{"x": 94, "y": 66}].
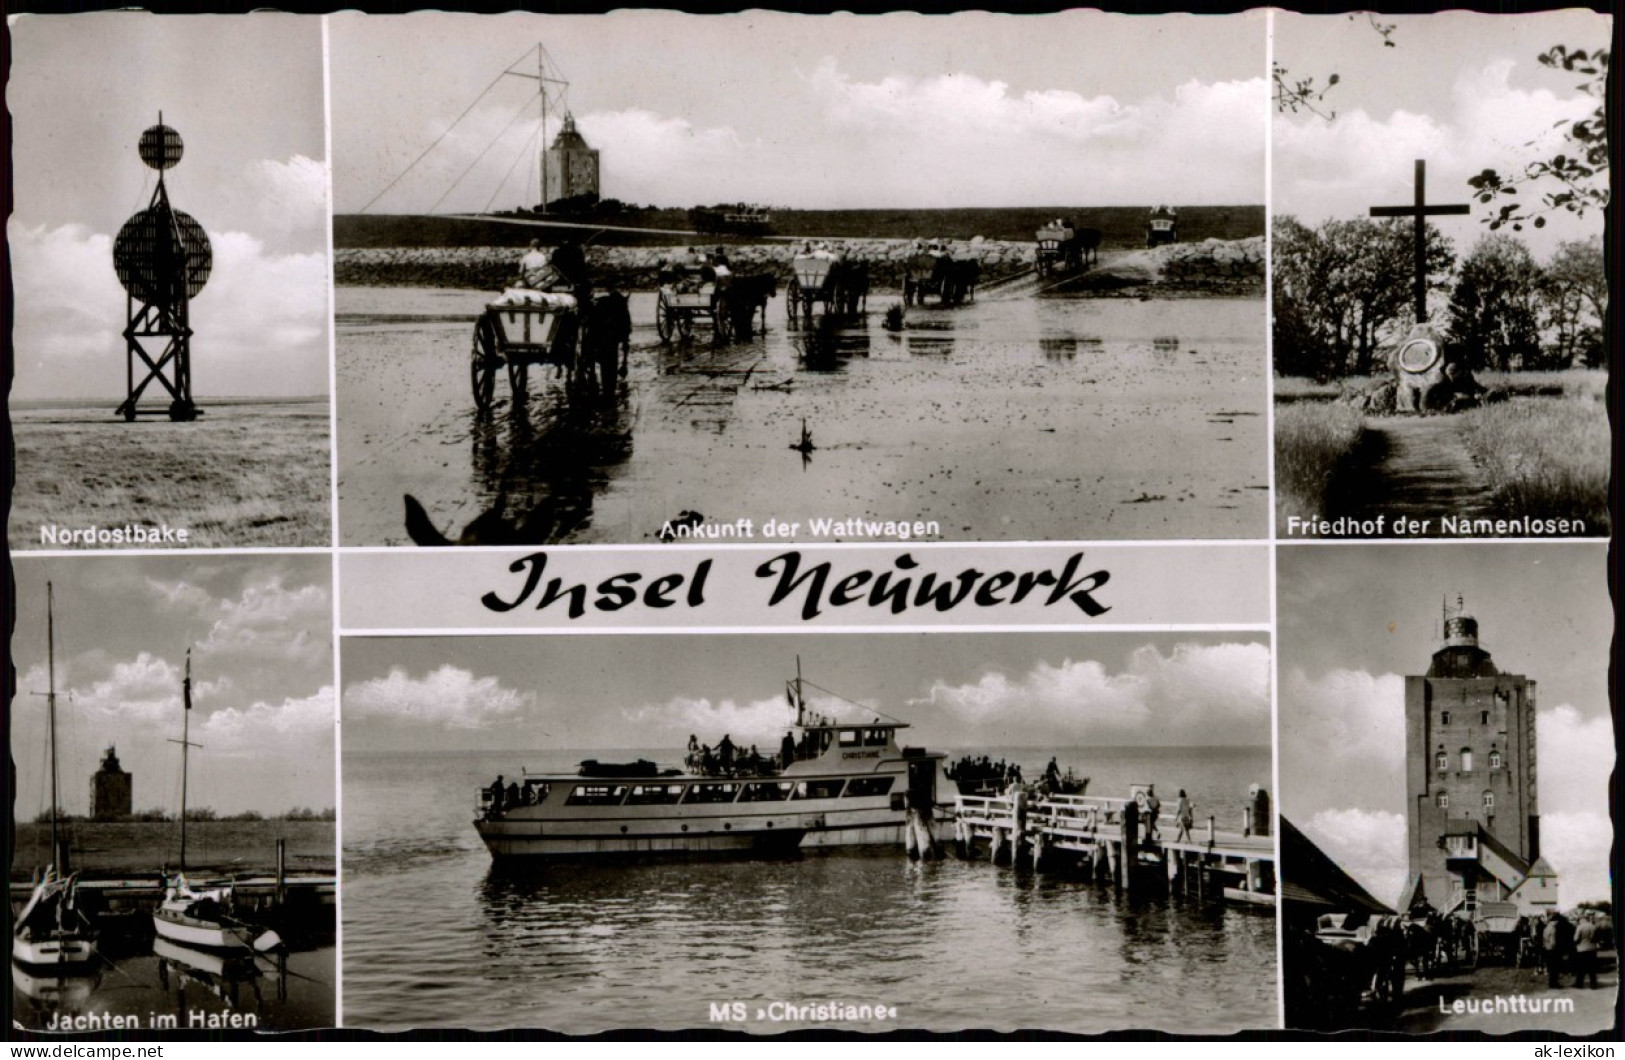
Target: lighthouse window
[
  {"x": 1443, "y": 800},
  {"x": 817, "y": 789},
  {"x": 1444, "y": 717},
  {"x": 868, "y": 786},
  {"x": 1441, "y": 761},
  {"x": 1483, "y": 717},
  {"x": 1489, "y": 802},
  {"x": 766, "y": 791},
  {"x": 1495, "y": 759},
  {"x": 1466, "y": 760}
]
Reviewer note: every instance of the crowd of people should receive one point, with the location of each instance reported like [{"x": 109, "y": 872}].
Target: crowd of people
[{"x": 1565, "y": 946}]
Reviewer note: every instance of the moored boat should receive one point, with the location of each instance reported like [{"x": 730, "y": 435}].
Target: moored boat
[
  {"x": 839, "y": 784},
  {"x": 200, "y": 918},
  {"x": 52, "y": 929}
]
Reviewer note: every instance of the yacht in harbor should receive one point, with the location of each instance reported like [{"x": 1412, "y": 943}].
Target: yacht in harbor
[{"x": 831, "y": 783}]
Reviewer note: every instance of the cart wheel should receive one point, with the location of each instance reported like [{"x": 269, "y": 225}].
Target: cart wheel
[
  {"x": 792, "y": 295},
  {"x": 663, "y": 323},
  {"x": 721, "y": 324},
  {"x": 482, "y": 365}
]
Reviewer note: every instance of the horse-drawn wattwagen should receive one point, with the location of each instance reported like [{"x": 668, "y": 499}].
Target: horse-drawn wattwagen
[
  {"x": 1358, "y": 964},
  {"x": 1162, "y": 226},
  {"x": 932, "y": 270},
  {"x": 527, "y": 327},
  {"x": 1061, "y": 245},
  {"x": 824, "y": 276},
  {"x": 691, "y": 290}
]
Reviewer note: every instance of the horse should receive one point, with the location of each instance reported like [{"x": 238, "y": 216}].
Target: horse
[
  {"x": 1087, "y": 242},
  {"x": 606, "y": 336},
  {"x": 1422, "y": 945},
  {"x": 851, "y": 287},
  {"x": 748, "y": 295}
]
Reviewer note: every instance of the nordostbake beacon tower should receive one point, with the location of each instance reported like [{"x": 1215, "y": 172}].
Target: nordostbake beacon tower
[
  {"x": 1472, "y": 818},
  {"x": 163, "y": 259}
]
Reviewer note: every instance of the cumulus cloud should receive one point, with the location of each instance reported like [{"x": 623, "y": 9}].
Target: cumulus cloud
[
  {"x": 1585, "y": 749},
  {"x": 1346, "y": 727},
  {"x": 762, "y": 721},
  {"x": 1326, "y": 169},
  {"x": 260, "y": 323},
  {"x": 1368, "y": 844},
  {"x": 1216, "y": 695},
  {"x": 450, "y": 697},
  {"x": 299, "y": 726},
  {"x": 181, "y": 594},
  {"x": 1577, "y": 845},
  {"x": 289, "y": 197},
  {"x": 272, "y": 622}
]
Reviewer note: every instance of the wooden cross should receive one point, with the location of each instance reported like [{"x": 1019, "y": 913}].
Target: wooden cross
[{"x": 1421, "y": 211}]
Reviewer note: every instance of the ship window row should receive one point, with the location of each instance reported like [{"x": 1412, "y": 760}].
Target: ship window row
[
  {"x": 733, "y": 791},
  {"x": 865, "y": 737}
]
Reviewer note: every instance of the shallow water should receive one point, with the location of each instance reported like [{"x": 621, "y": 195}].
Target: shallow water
[
  {"x": 436, "y": 935},
  {"x": 1014, "y": 419}
]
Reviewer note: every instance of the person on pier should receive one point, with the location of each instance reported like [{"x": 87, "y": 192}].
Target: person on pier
[
  {"x": 787, "y": 751},
  {"x": 1153, "y": 810},
  {"x": 1186, "y": 813}
]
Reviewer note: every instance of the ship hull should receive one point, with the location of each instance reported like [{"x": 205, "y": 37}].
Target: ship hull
[
  {"x": 189, "y": 931},
  {"x": 52, "y": 950}
]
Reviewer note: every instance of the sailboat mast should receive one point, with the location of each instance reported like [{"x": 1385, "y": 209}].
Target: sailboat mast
[
  {"x": 186, "y": 745},
  {"x": 50, "y": 700},
  {"x": 541, "y": 88}
]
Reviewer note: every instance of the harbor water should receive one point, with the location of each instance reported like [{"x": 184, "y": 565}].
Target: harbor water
[{"x": 437, "y": 935}]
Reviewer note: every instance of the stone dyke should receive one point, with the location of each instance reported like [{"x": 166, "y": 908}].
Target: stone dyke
[{"x": 1222, "y": 266}]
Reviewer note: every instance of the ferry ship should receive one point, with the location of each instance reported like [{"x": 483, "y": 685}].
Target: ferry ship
[{"x": 839, "y": 784}]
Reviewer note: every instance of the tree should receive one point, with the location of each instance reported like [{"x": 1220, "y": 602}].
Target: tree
[
  {"x": 1342, "y": 290},
  {"x": 1574, "y": 294},
  {"x": 1574, "y": 179},
  {"x": 1494, "y": 308}
]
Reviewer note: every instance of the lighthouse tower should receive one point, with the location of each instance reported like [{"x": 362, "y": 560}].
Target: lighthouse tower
[{"x": 1472, "y": 815}]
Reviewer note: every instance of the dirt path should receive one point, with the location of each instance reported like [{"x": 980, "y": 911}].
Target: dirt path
[{"x": 1417, "y": 466}]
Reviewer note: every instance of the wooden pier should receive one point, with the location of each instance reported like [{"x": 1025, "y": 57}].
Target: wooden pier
[{"x": 1114, "y": 839}]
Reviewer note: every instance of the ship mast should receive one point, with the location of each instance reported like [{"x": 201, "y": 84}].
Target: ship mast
[
  {"x": 186, "y": 745},
  {"x": 50, "y": 700},
  {"x": 542, "y": 81}
]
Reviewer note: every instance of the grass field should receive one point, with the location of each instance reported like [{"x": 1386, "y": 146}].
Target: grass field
[
  {"x": 211, "y": 846},
  {"x": 1545, "y": 457},
  {"x": 244, "y": 475},
  {"x": 1313, "y": 445}
]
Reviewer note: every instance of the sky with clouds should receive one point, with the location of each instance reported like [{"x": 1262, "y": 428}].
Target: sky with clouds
[
  {"x": 957, "y": 690},
  {"x": 245, "y": 94},
  {"x": 838, "y": 111},
  {"x": 260, "y": 632},
  {"x": 1463, "y": 91},
  {"x": 1355, "y": 620}
]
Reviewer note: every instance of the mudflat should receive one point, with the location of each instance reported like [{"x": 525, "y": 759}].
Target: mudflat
[
  {"x": 1013, "y": 418},
  {"x": 245, "y": 474}
]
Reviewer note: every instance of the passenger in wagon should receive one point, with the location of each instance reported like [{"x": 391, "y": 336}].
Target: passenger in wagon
[{"x": 536, "y": 267}]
